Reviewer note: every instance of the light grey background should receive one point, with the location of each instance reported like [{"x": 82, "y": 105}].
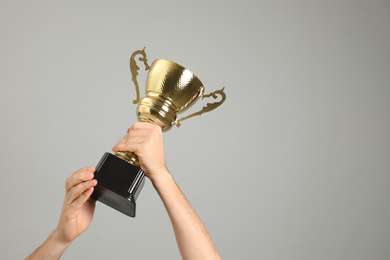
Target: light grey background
[{"x": 295, "y": 164}]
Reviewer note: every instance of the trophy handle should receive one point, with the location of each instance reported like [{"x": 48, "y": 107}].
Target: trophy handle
[
  {"x": 134, "y": 70},
  {"x": 208, "y": 107}
]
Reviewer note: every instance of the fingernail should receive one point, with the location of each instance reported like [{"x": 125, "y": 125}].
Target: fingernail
[
  {"x": 93, "y": 182},
  {"x": 91, "y": 168}
]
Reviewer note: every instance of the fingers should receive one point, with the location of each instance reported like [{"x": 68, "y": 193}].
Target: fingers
[
  {"x": 142, "y": 125},
  {"x": 138, "y": 134},
  {"x": 84, "y": 174},
  {"x": 80, "y": 193},
  {"x": 146, "y": 141},
  {"x": 79, "y": 201},
  {"x": 79, "y": 187}
]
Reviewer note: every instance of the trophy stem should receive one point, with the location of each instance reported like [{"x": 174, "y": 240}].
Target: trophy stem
[
  {"x": 158, "y": 109},
  {"x": 129, "y": 157}
]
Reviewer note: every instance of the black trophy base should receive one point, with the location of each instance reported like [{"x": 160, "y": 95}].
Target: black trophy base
[{"x": 119, "y": 184}]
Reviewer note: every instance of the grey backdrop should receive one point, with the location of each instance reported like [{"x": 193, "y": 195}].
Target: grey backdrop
[{"x": 295, "y": 164}]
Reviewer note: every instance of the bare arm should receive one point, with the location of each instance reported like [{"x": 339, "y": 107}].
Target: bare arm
[
  {"x": 52, "y": 248},
  {"x": 192, "y": 238},
  {"x": 76, "y": 215},
  {"x": 191, "y": 235}
]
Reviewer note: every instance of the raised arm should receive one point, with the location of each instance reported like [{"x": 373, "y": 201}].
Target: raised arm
[
  {"x": 76, "y": 215},
  {"x": 192, "y": 238},
  {"x": 191, "y": 235}
]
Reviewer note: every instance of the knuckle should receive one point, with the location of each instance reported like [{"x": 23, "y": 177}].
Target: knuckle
[
  {"x": 121, "y": 146},
  {"x": 156, "y": 133},
  {"x": 67, "y": 182},
  {"x": 85, "y": 186},
  {"x": 80, "y": 174},
  {"x": 136, "y": 125},
  {"x": 157, "y": 127}
]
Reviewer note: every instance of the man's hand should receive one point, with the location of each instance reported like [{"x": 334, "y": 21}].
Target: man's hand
[
  {"x": 145, "y": 140},
  {"x": 76, "y": 215},
  {"x": 78, "y": 207}
]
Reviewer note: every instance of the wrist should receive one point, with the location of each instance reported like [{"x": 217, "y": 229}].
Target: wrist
[
  {"x": 56, "y": 239},
  {"x": 52, "y": 248},
  {"x": 160, "y": 178}
]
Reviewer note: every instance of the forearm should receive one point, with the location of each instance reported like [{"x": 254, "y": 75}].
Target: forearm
[
  {"x": 52, "y": 248},
  {"x": 192, "y": 238}
]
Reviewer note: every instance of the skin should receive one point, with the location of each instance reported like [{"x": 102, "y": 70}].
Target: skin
[
  {"x": 146, "y": 141},
  {"x": 76, "y": 215}
]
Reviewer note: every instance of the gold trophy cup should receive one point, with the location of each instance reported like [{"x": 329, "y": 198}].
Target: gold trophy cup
[{"x": 170, "y": 88}]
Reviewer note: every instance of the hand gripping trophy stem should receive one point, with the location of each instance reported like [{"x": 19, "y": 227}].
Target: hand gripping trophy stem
[{"x": 170, "y": 88}]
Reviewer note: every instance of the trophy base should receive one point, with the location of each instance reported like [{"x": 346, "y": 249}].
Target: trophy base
[{"x": 119, "y": 184}]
